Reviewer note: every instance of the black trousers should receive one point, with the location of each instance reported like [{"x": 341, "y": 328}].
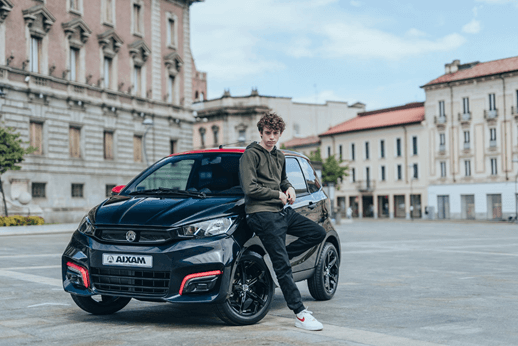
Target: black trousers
[{"x": 272, "y": 229}]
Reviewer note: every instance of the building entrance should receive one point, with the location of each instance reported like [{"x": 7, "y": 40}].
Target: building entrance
[
  {"x": 415, "y": 206},
  {"x": 467, "y": 204},
  {"x": 443, "y": 207},
  {"x": 399, "y": 206},
  {"x": 494, "y": 207},
  {"x": 353, "y": 203},
  {"x": 368, "y": 206},
  {"x": 383, "y": 206}
]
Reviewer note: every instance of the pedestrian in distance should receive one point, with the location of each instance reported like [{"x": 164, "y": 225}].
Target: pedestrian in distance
[
  {"x": 349, "y": 212},
  {"x": 268, "y": 194}
]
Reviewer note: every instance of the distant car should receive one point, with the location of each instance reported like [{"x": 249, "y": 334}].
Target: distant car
[{"x": 178, "y": 233}]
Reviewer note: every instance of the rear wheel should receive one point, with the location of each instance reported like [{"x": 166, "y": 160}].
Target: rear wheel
[
  {"x": 100, "y": 305},
  {"x": 323, "y": 284},
  {"x": 251, "y": 292}
]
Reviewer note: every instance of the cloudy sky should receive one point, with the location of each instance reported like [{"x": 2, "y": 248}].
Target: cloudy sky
[{"x": 374, "y": 51}]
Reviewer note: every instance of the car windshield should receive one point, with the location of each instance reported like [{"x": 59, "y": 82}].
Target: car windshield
[{"x": 206, "y": 174}]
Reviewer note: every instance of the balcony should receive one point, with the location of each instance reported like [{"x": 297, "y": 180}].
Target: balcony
[
  {"x": 440, "y": 120},
  {"x": 464, "y": 117},
  {"x": 490, "y": 114},
  {"x": 492, "y": 143},
  {"x": 442, "y": 148},
  {"x": 467, "y": 145},
  {"x": 365, "y": 185}
]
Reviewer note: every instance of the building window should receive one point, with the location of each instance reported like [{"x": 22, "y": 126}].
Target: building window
[
  {"x": 108, "y": 189},
  {"x": 241, "y": 135},
  {"x": 74, "y": 64},
  {"x": 36, "y": 137},
  {"x": 366, "y": 150},
  {"x": 215, "y": 132},
  {"x": 442, "y": 139},
  {"x": 137, "y": 80},
  {"x": 352, "y": 152},
  {"x": 107, "y": 72},
  {"x": 202, "y": 136},
  {"x": 441, "y": 109},
  {"x": 383, "y": 173},
  {"x": 74, "y": 137},
  {"x": 492, "y": 137},
  {"x": 137, "y": 148},
  {"x": 382, "y": 149},
  {"x": 108, "y": 11},
  {"x": 77, "y": 190},
  {"x": 170, "y": 89},
  {"x": 465, "y": 105},
  {"x": 492, "y": 104},
  {"x": 38, "y": 190},
  {"x": 137, "y": 19},
  {"x": 36, "y": 55},
  {"x": 398, "y": 147},
  {"x": 399, "y": 172},
  {"x": 443, "y": 169},
  {"x": 467, "y": 168},
  {"x": 414, "y": 145},
  {"x": 340, "y": 151},
  {"x": 171, "y": 32},
  {"x": 108, "y": 145},
  {"x": 353, "y": 174},
  {"x": 75, "y": 5},
  {"x": 416, "y": 173},
  {"x": 328, "y": 151},
  {"x": 172, "y": 146},
  {"x": 466, "y": 137},
  {"x": 494, "y": 170}
]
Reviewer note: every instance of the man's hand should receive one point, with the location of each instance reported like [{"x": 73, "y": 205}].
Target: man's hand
[
  {"x": 290, "y": 193},
  {"x": 283, "y": 198}
]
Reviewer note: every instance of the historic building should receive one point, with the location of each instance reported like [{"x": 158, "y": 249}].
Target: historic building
[
  {"x": 101, "y": 87},
  {"x": 386, "y": 151},
  {"x": 472, "y": 118},
  {"x": 233, "y": 120}
]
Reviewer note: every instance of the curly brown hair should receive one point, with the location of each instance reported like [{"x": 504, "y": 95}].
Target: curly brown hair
[{"x": 272, "y": 121}]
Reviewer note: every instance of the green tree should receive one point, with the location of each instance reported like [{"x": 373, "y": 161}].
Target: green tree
[
  {"x": 331, "y": 169},
  {"x": 11, "y": 154}
]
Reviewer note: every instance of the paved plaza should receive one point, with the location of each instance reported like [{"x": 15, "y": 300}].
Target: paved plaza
[{"x": 401, "y": 283}]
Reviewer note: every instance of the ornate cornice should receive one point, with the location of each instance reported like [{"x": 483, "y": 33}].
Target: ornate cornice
[
  {"x": 139, "y": 51},
  {"x": 6, "y": 7},
  {"x": 39, "y": 19},
  {"x": 77, "y": 31},
  {"x": 110, "y": 43},
  {"x": 173, "y": 63}
]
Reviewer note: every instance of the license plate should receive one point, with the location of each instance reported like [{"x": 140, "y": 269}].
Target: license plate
[{"x": 127, "y": 260}]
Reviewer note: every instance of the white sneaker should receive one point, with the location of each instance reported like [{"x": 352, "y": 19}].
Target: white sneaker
[{"x": 305, "y": 320}]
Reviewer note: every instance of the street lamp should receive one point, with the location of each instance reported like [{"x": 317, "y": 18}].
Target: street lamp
[
  {"x": 148, "y": 123},
  {"x": 411, "y": 204}
]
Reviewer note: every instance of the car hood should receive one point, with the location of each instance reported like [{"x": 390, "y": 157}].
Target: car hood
[{"x": 162, "y": 211}]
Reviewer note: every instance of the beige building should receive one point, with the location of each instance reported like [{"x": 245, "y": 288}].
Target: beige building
[
  {"x": 472, "y": 118},
  {"x": 100, "y": 87},
  {"x": 387, "y": 154},
  {"x": 233, "y": 120}
]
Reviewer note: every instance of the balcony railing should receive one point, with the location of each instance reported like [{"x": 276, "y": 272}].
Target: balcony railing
[
  {"x": 491, "y": 114},
  {"x": 492, "y": 143},
  {"x": 365, "y": 185},
  {"x": 442, "y": 148},
  {"x": 467, "y": 145},
  {"x": 440, "y": 119},
  {"x": 465, "y": 116}
]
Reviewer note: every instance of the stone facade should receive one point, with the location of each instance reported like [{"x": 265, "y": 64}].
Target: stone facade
[
  {"x": 84, "y": 81},
  {"x": 233, "y": 120}
]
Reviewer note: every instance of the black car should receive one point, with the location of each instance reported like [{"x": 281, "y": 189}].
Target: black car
[{"x": 178, "y": 233}]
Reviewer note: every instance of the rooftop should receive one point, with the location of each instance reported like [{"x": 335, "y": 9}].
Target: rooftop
[
  {"x": 395, "y": 116},
  {"x": 299, "y": 142}
]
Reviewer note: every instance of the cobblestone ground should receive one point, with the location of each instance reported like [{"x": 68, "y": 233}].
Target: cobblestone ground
[{"x": 402, "y": 283}]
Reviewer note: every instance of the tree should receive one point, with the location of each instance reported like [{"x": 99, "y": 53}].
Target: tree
[
  {"x": 331, "y": 170},
  {"x": 11, "y": 154}
]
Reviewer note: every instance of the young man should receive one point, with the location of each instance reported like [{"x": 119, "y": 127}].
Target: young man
[{"x": 267, "y": 190}]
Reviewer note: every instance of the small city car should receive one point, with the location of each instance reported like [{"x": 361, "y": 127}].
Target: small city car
[{"x": 178, "y": 233}]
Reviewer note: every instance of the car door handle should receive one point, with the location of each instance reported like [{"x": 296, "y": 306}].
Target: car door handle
[{"x": 312, "y": 205}]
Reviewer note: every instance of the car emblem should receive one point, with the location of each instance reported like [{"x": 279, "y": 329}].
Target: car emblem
[
  {"x": 131, "y": 236},
  {"x": 110, "y": 259}
]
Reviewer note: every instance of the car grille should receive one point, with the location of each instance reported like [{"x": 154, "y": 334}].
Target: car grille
[
  {"x": 137, "y": 282},
  {"x": 143, "y": 236}
]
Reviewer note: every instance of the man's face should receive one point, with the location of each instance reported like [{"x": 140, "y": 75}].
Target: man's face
[{"x": 270, "y": 137}]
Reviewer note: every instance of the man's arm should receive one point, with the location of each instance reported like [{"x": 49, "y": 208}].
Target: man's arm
[{"x": 249, "y": 184}]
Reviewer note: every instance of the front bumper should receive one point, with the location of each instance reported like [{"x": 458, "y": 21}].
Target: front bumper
[{"x": 173, "y": 264}]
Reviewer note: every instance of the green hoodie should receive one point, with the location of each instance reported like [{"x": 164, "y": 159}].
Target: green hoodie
[{"x": 263, "y": 175}]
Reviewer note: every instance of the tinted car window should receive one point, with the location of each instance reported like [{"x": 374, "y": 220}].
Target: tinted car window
[
  {"x": 172, "y": 175},
  {"x": 295, "y": 176},
  {"x": 311, "y": 176}
]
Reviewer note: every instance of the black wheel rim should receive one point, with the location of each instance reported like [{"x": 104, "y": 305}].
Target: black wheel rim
[
  {"x": 250, "y": 289},
  {"x": 331, "y": 270}
]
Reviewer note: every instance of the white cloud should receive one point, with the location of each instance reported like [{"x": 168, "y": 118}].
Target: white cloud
[
  {"x": 472, "y": 27},
  {"x": 356, "y": 3},
  {"x": 415, "y": 33},
  {"x": 300, "y": 48}
]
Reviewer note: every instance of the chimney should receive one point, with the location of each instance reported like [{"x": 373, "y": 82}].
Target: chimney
[{"x": 453, "y": 67}]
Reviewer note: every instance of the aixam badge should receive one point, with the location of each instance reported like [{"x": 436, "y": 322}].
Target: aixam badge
[{"x": 131, "y": 236}]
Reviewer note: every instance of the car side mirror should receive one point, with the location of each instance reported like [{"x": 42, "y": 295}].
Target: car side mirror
[{"x": 117, "y": 189}]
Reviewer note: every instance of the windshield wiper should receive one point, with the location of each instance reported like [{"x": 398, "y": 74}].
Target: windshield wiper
[{"x": 166, "y": 191}]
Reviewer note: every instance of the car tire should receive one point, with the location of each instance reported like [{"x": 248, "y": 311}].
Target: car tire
[
  {"x": 251, "y": 292},
  {"x": 324, "y": 282},
  {"x": 105, "y": 306}
]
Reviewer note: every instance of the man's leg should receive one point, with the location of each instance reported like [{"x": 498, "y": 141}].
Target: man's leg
[
  {"x": 309, "y": 233},
  {"x": 271, "y": 229}
]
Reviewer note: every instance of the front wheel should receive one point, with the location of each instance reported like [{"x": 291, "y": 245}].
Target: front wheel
[
  {"x": 251, "y": 292},
  {"x": 100, "y": 305},
  {"x": 323, "y": 284}
]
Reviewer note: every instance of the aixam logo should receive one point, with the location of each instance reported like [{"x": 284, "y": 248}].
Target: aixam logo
[{"x": 130, "y": 259}]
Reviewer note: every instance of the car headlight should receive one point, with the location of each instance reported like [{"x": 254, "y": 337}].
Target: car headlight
[
  {"x": 85, "y": 226},
  {"x": 207, "y": 228}
]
